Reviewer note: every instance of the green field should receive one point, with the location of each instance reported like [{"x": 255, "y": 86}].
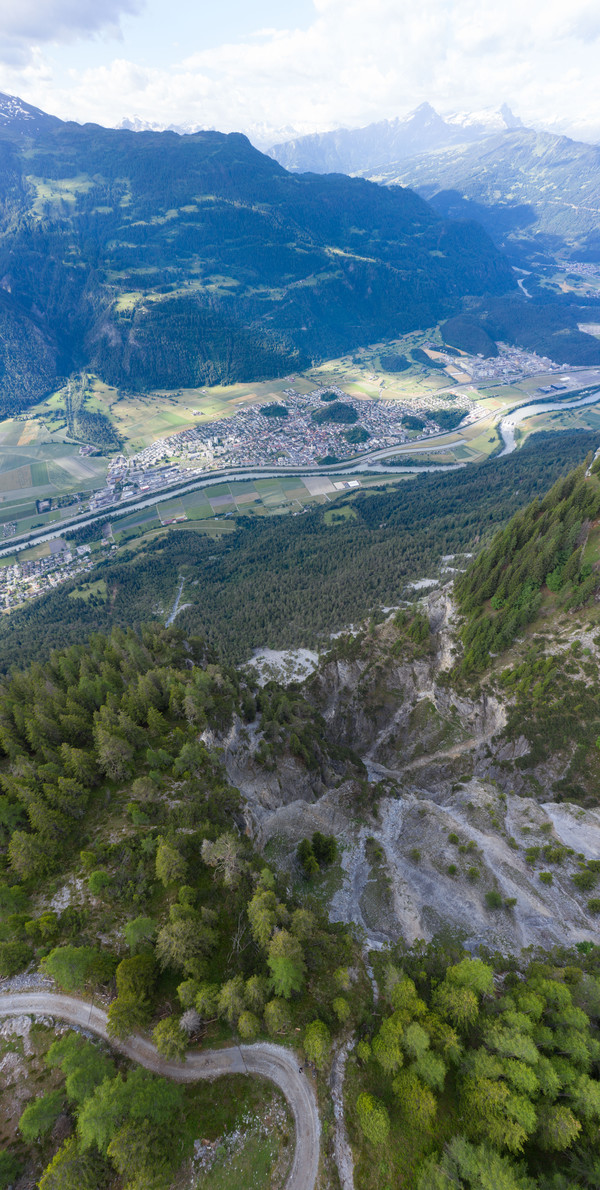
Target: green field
[
  {"x": 140, "y": 419},
  {"x": 97, "y": 589},
  {"x": 214, "y": 510},
  {"x": 36, "y": 460},
  {"x": 36, "y": 463}
]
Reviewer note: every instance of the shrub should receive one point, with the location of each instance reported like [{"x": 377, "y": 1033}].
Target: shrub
[
  {"x": 97, "y": 882},
  {"x": 473, "y": 874},
  {"x": 493, "y": 899},
  {"x": 317, "y": 1043},
  {"x": 277, "y": 1017},
  {"x": 10, "y": 1169},
  {"x": 71, "y": 1169},
  {"x": 324, "y": 848},
  {"x": 187, "y": 992},
  {"x": 414, "y": 854},
  {"x": 207, "y": 999},
  {"x": 74, "y": 966},
  {"x": 135, "y": 976},
  {"x": 82, "y": 1063},
  {"x": 307, "y": 858},
  {"x": 139, "y": 933},
  {"x": 453, "y": 837},
  {"x": 452, "y": 869},
  {"x": 126, "y": 1014},
  {"x": 170, "y": 1039},
  {"x": 13, "y": 957},
  {"x": 341, "y": 1008},
  {"x": 585, "y": 880},
  {"x": 594, "y": 905},
  {"x": 342, "y": 979},
  {"x": 546, "y": 877},
  {"x": 248, "y": 1026}
]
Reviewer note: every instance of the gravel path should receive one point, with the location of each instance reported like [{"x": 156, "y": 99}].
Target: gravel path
[
  {"x": 341, "y": 1144},
  {"x": 274, "y": 1062}
]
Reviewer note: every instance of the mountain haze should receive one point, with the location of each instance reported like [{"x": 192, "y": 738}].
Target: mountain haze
[
  {"x": 518, "y": 183},
  {"x": 358, "y": 150}
]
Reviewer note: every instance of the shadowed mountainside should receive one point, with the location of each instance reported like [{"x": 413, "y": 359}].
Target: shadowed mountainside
[{"x": 161, "y": 260}]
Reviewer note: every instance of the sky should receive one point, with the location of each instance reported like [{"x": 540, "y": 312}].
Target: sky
[{"x": 275, "y": 69}]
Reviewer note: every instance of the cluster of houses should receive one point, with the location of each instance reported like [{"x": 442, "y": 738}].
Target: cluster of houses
[
  {"x": 283, "y": 433},
  {"x": 27, "y": 578}
]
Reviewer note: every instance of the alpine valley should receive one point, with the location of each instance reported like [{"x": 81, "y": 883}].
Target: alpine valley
[
  {"x": 299, "y": 659},
  {"x": 159, "y": 260}
]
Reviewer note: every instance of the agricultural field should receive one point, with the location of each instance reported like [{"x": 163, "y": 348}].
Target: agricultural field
[
  {"x": 37, "y": 464},
  {"x": 40, "y": 460},
  {"x": 140, "y": 419},
  {"x": 214, "y": 510}
]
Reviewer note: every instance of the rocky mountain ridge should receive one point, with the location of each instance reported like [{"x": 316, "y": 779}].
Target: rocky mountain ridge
[{"x": 519, "y": 184}]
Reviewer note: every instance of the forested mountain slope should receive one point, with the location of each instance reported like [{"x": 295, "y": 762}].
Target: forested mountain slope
[
  {"x": 161, "y": 260},
  {"x": 520, "y": 184},
  {"x": 404, "y": 802},
  {"x": 547, "y": 559},
  {"x": 293, "y": 580},
  {"x": 116, "y": 789}
]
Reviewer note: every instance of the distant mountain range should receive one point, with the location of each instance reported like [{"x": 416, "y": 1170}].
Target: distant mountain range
[
  {"x": 361, "y": 150},
  {"x": 161, "y": 260},
  {"x": 532, "y": 190}
]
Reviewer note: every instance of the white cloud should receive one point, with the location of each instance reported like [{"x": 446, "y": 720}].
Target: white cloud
[
  {"x": 25, "y": 24},
  {"x": 354, "y": 63}
]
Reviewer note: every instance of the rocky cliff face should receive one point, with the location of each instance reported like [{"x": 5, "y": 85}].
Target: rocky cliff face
[{"x": 440, "y": 823}]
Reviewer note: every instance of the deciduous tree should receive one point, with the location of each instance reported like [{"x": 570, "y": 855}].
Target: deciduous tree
[
  {"x": 373, "y": 1119},
  {"x": 286, "y": 962}
]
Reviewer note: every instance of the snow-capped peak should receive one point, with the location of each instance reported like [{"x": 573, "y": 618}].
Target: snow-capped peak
[
  {"x": 12, "y": 108},
  {"x": 486, "y": 121},
  {"x": 15, "y": 114}
]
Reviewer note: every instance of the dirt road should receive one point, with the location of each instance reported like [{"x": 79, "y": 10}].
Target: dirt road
[{"x": 274, "y": 1062}]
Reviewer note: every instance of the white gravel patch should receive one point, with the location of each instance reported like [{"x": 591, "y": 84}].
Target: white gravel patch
[
  {"x": 420, "y": 584},
  {"x": 576, "y": 828},
  {"x": 284, "y": 665}
]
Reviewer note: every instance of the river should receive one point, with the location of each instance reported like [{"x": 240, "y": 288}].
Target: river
[
  {"x": 509, "y": 424},
  {"x": 373, "y": 463}
]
